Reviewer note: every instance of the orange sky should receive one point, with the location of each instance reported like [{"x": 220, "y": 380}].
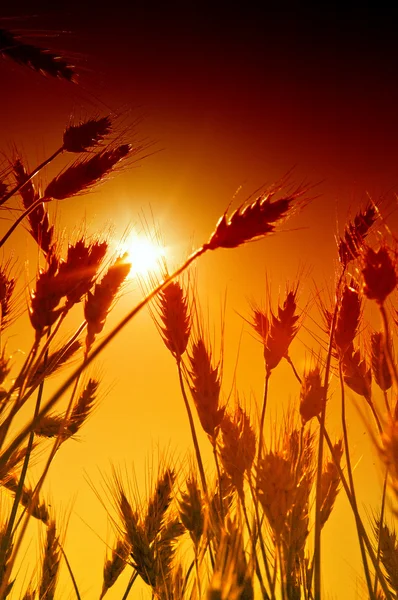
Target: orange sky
[{"x": 228, "y": 102}]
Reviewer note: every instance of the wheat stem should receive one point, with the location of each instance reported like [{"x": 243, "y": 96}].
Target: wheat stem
[
  {"x": 193, "y": 430},
  {"x": 352, "y": 486},
  {"x": 386, "y": 402},
  {"x": 21, "y": 217},
  {"x": 130, "y": 585},
  {"x": 262, "y": 418},
  {"x": 198, "y": 585},
  {"x": 383, "y": 504},
  {"x": 297, "y": 376},
  {"x": 219, "y": 480},
  {"x": 260, "y": 537},
  {"x": 6, "y": 541},
  {"x": 282, "y": 574},
  {"x": 318, "y": 499},
  {"x": 68, "y": 566},
  {"x": 186, "y": 578}
]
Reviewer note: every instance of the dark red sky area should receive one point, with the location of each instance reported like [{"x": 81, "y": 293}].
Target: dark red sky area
[
  {"x": 305, "y": 71},
  {"x": 243, "y": 91}
]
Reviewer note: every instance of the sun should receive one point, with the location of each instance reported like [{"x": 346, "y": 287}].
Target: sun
[{"x": 145, "y": 256}]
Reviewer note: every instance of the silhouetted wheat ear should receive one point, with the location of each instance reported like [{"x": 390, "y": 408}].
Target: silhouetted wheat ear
[
  {"x": 237, "y": 446},
  {"x": 205, "y": 387},
  {"x": 7, "y": 287},
  {"x": 330, "y": 484},
  {"x": 217, "y": 507},
  {"x": 260, "y": 323},
  {"x": 39, "y": 509},
  {"x": 77, "y": 274},
  {"x": 83, "y": 406},
  {"x": 312, "y": 394},
  {"x": 7, "y": 467},
  {"x": 158, "y": 504},
  {"x": 357, "y": 374},
  {"x": 81, "y": 176},
  {"x": 44, "y": 300},
  {"x": 99, "y": 301},
  {"x": 253, "y": 221},
  {"x": 348, "y": 317},
  {"x": 5, "y": 556},
  {"x": 3, "y": 189},
  {"x": 39, "y": 59},
  {"x": 165, "y": 548},
  {"x": 5, "y": 368},
  {"x": 142, "y": 553},
  {"x": 40, "y": 228},
  {"x": 85, "y": 135},
  {"x": 282, "y": 330},
  {"x": 232, "y": 577},
  {"x": 355, "y": 234},
  {"x": 114, "y": 566},
  {"x": 276, "y": 489},
  {"x": 191, "y": 510},
  {"x": 30, "y": 594},
  {"x": 380, "y": 370},
  {"x": 50, "y": 566},
  {"x": 173, "y": 318},
  {"x": 50, "y": 425},
  {"x": 388, "y": 553},
  {"x": 379, "y": 273}
]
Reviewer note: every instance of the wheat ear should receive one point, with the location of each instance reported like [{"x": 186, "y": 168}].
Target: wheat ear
[{"x": 39, "y": 59}]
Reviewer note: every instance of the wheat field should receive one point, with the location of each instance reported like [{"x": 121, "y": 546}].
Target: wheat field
[{"x": 280, "y": 480}]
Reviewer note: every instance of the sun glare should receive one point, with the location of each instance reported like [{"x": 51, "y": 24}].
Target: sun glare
[{"x": 145, "y": 256}]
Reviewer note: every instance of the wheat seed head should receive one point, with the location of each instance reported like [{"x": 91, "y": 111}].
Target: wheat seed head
[
  {"x": 253, "y": 221},
  {"x": 86, "y": 134},
  {"x": 348, "y": 317},
  {"x": 115, "y": 565},
  {"x": 190, "y": 504},
  {"x": 283, "y": 327},
  {"x": 40, "y": 59},
  {"x": 380, "y": 369},
  {"x": 355, "y": 233},
  {"x": 379, "y": 273},
  {"x": 276, "y": 488},
  {"x": 312, "y": 394},
  {"x": 173, "y": 318},
  {"x": 237, "y": 446},
  {"x": 100, "y": 300},
  {"x": 84, "y": 173}
]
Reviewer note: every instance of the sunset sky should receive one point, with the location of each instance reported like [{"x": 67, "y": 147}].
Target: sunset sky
[{"x": 226, "y": 101}]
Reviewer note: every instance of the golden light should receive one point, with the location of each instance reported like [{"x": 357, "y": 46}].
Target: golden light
[{"x": 145, "y": 255}]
